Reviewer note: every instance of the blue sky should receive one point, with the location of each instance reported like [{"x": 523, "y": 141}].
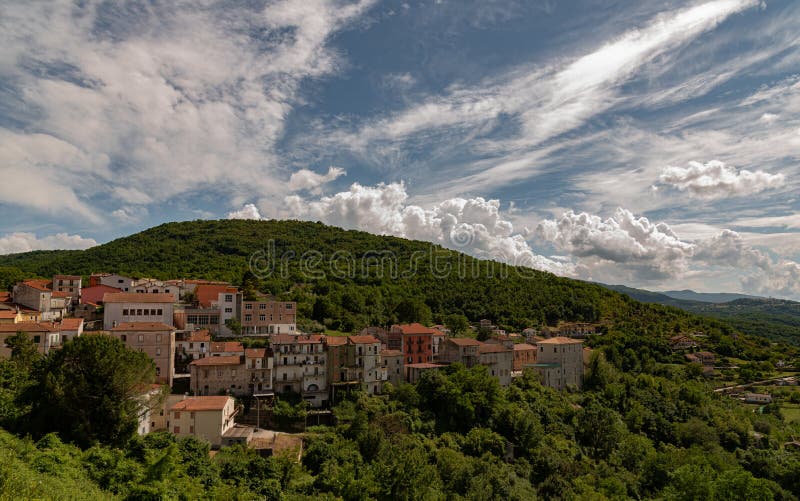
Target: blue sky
[{"x": 653, "y": 144}]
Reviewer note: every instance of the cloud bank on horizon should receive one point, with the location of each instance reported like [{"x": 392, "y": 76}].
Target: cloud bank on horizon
[{"x": 651, "y": 145}]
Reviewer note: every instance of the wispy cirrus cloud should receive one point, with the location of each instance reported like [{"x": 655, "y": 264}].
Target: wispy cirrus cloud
[{"x": 154, "y": 100}]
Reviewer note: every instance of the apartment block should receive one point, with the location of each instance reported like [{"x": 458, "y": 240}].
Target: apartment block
[
  {"x": 126, "y": 307},
  {"x": 156, "y": 340},
  {"x": 300, "y": 366}
]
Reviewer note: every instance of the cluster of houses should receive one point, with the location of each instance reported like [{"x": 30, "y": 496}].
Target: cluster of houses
[{"x": 189, "y": 328}]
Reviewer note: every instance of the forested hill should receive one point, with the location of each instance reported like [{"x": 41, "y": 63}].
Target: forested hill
[
  {"x": 348, "y": 279},
  {"x": 773, "y": 319}
]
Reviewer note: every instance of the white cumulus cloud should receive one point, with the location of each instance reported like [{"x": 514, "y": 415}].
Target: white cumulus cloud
[
  {"x": 25, "y": 242},
  {"x": 305, "y": 179},
  {"x": 716, "y": 180},
  {"x": 249, "y": 211}
]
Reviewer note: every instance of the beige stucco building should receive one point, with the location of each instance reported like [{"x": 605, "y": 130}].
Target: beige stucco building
[
  {"x": 559, "y": 361},
  {"x": 155, "y": 339},
  {"x": 205, "y": 418}
]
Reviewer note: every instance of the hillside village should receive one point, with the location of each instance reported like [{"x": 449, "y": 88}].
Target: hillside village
[{"x": 189, "y": 328}]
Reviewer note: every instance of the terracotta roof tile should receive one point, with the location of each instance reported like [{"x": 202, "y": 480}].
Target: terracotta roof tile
[
  {"x": 255, "y": 353},
  {"x": 363, "y": 339},
  {"x": 464, "y": 341},
  {"x": 226, "y": 346},
  {"x": 201, "y": 404},
  {"x": 415, "y": 328},
  {"x": 214, "y": 361},
  {"x": 560, "y": 340}
]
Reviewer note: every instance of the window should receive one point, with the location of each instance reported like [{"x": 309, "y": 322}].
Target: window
[
  {"x": 176, "y": 430},
  {"x": 191, "y": 428},
  {"x": 158, "y": 371},
  {"x": 262, "y": 306},
  {"x": 158, "y": 338},
  {"x": 160, "y": 312},
  {"x": 124, "y": 338},
  {"x": 228, "y": 310},
  {"x": 228, "y": 298},
  {"x": 248, "y": 318},
  {"x": 120, "y": 281},
  {"x": 125, "y": 312},
  {"x": 233, "y": 372},
  {"x": 166, "y": 290},
  {"x": 176, "y": 414},
  {"x": 248, "y": 306},
  {"x": 141, "y": 338},
  {"x": 219, "y": 372},
  {"x": 262, "y": 318},
  {"x": 139, "y": 312},
  {"x": 158, "y": 354},
  {"x": 288, "y": 306}
]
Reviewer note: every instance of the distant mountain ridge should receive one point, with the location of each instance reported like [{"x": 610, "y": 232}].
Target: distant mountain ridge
[
  {"x": 774, "y": 319},
  {"x": 708, "y": 297}
]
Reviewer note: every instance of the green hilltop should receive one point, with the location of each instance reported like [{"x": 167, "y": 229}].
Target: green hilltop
[{"x": 345, "y": 280}]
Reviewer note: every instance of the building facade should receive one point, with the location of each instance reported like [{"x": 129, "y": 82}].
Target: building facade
[
  {"x": 300, "y": 366},
  {"x": 156, "y": 340},
  {"x": 205, "y": 418},
  {"x": 126, "y": 307},
  {"x": 559, "y": 361}
]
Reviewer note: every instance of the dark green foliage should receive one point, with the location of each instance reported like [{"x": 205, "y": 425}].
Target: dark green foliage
[{"x": 88, "y": 391}]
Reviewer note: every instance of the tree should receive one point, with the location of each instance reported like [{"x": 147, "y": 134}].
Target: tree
[
  {"x": 23, "y": 350},
  {"x": 457, "y": 323},
  {"x": 234, "y": 325},
  {"x": 91, "y": 390}
]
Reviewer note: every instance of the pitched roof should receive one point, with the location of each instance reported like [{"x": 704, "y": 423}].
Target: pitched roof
[
  {"x": 335, "y": 340},
  {"x": 296, "y": 338},
  {"x": 560, "y": 340},
  {"x": 199, "y": 336},
  {"x": 142, "y": 327},
  {"x": 493, "y": 348},
  {"x": 425, "y": 365},
  {"x": 255, "y": 352},
  {"x": 67, "y": 277},
  {"x": 71, "y": 324},
  {"x": 135, "y": 297},
  {"x": 226, "y": 346},
  {"x": 464, "y": 341},
  {"x": 209, "y": 293},
  {"x": 95, "y": 293},
  {"x": 391, "y": 353},
  {"x": 39, "y": 284},
  {"x": 63, "y": 294},
  {"x": 8, "y": 314},
  {"x": 523, "y": 347},
  {"x": 363, "y": 339},
  {"x": 201, "y": 404},
  {"x": 212, "y": 361},
  {"x": 30, "y": 327},
  {"x": 415, "y": 328}
]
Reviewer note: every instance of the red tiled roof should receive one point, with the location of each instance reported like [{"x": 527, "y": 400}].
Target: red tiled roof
[
  {"x": 255, "y": 352},
  {"x": 524, "y": 347},
  {"x": 142, "y": 327},
  {"x": 200, "y": 336},
  {"x": 213, "y": 361},
  {"x": 335, "y": 340},
  {"x": 66, "y": 277},
  {"x": 63, "y": 294},
  {"x": 415, "y": 328},
  {"x": 194, "y": 404},
  {"x": 363, "y": 339},
  {"x": 560, "y": 340},
  {"x": 391, "y": 353},
  {"x": 465, "y": 341},
  {"x": 208, "y": 293},
  {"x": 71, "y": 324},
  {"x": 95, "y": 293},
  {"x": 39, "y": 284},
  {"x": 134, "y": 297},
  {"x": 8, "y": 314},
  {"x": 5, "y": 297},
  {"x": 424, "y": 365},
  {"x": 30, "y": 327},
  {"x": 299, "y": 338},
  {"x": 493, "y": 348},
  {"x": 226, "y": 346}
]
